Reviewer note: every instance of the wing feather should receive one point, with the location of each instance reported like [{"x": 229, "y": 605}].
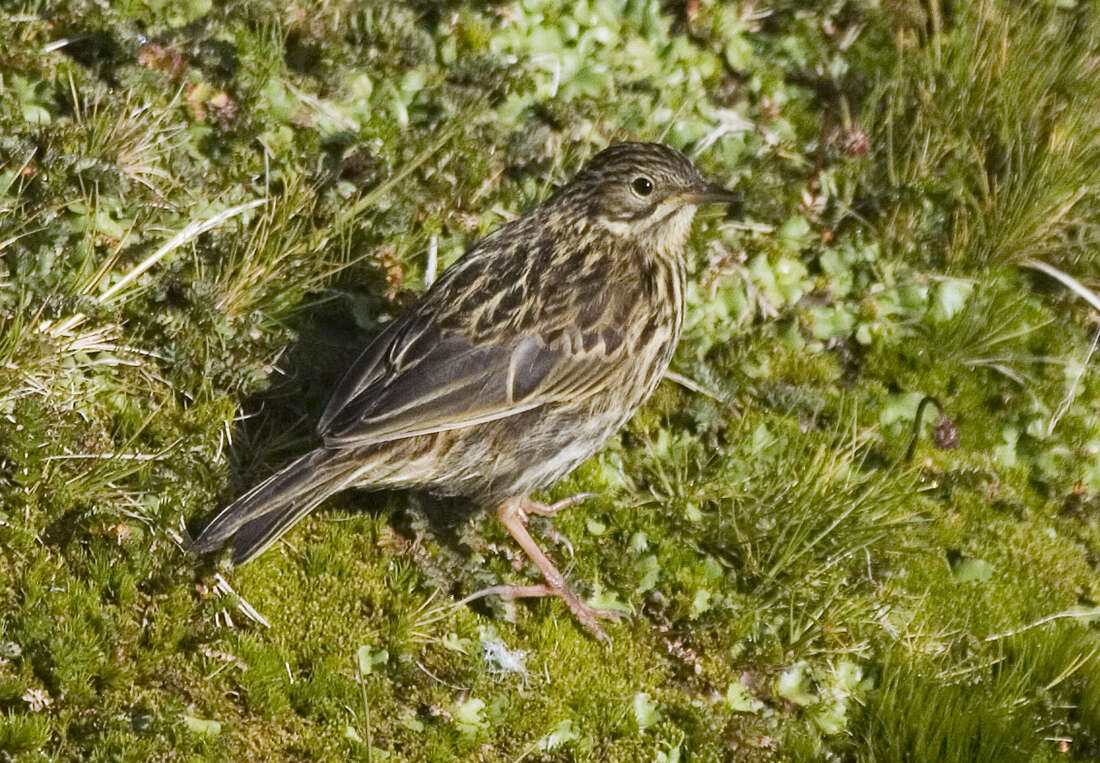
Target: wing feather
[
  {"x": 456, "y": 384},
  {"x": 425, "y": 373}
]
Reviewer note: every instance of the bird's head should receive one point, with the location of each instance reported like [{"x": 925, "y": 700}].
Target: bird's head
[{"x": 642, "y": 191}]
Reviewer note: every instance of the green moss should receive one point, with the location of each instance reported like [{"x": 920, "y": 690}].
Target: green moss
[{"x": 899, "y": 164}]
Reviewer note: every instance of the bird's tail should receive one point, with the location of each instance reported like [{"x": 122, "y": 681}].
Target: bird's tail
[{"x": 260, "y": 517}]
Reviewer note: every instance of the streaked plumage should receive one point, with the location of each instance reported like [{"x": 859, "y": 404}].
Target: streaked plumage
[{"x": 514, "y": 367}]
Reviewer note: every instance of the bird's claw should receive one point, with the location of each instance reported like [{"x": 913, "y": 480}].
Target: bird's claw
[{"x": 555, "y": 536}]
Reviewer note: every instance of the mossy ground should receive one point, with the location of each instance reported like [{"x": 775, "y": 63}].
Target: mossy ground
[{"x": 922, "y": 217}]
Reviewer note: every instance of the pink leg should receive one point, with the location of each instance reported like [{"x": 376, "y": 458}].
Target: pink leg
[{"x": 512, "y": 514}]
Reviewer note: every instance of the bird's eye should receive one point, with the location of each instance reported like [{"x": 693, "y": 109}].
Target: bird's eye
[{"x": 642, "y": 186}]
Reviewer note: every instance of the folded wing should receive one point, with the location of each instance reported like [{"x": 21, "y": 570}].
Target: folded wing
[{"x": 417, "y": 379}]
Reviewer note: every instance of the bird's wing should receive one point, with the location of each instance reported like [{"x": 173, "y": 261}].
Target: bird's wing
[{"x": 417, "y": 379}]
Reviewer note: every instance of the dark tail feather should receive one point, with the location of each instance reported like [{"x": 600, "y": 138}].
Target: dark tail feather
[{"x": 260, "y": 517}]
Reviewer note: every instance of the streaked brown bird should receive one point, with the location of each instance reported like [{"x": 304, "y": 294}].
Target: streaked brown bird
[{"x": 513, "y": 368}]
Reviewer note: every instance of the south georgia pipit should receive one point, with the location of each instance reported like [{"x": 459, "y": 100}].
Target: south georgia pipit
[{"x": 513, "y": 368}]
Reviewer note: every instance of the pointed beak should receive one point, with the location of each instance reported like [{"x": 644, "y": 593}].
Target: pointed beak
[{"x": 712, "y": 193}]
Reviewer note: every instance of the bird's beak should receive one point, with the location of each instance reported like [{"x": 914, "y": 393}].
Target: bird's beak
[{"x": 712, "y": 193}]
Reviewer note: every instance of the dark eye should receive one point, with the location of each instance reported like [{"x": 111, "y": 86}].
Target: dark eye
[{"x": 642, "y": 186}]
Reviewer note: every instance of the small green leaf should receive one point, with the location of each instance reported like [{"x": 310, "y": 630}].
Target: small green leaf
[
  {"x": 366, "y": 667},
  {"x": 830, "y": 717},
  {"x": 409, "y": 720},
  {"x": 741, "y": 700},
  {"x": 972, "y": 571},
  {"x": 713, "y": 569},
  {"x": 899, "y": 410},
  {"x": 794, "y": 685},
  {"x": 1005, "y": 452},
  {"x": 646, "y": 712},
  {"x": 412, "y": 83},
  {"x": 794, "y": 234},
  {"x": 604, "y": 599},
  {"x": 738, "y": 53},
  {"x": 195, "y": 9},
  {"x": 371, "y": 659},
  {"x": 913, "y": 299},
  {"x": 832, "y": 322},
  {"x": 457, "y": 644},
  {"x": 650, "y": 568},
  {"x": 848, "y": 677},
  {"x": 470, "y": 717},
  {"x": 561, "y": 734},
  {"x": 202, "y": 727},
  {"x": 36, "y": 114},
  {"x": 280, "y": 103},
  {"x": 360, "y": 87},
  {"x": 692, "y": 512},
  {"x": 496, "y": 709},
  {"x": 949, "y": 298},
  {"x": 781, "y": 281},
  {"x": 701, "y": 603}
]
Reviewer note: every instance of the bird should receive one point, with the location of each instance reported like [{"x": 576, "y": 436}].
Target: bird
[{"x": 512, "y": 368}]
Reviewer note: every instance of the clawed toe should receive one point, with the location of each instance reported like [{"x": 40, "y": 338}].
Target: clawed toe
[
  {"x": 590, "y": 618},
  {"x": 614, "y": 615},
  {"x": 588, "y": 615},
  {"x": 550, "y": 509},
  {"x": 556, "y": 537}
]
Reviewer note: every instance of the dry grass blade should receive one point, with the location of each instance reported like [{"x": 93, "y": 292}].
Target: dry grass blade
[{"x": 189, "y": 233}]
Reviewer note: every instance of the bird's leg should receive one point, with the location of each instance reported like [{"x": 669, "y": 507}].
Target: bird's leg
[{"x": 512, "y": 514}]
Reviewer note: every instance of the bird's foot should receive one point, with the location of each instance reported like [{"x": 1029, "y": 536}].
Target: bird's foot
[
  {"x": 513, "y": 515},
  {"x": 550, "y": 509},
  {"x": 587, "y": 615}
]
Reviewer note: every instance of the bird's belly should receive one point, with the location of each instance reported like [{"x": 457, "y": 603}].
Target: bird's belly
[
  {"x": 496, "y": 460},
  {"x": 554, "y": 446},
  {"x": 532, "y": 450}
]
